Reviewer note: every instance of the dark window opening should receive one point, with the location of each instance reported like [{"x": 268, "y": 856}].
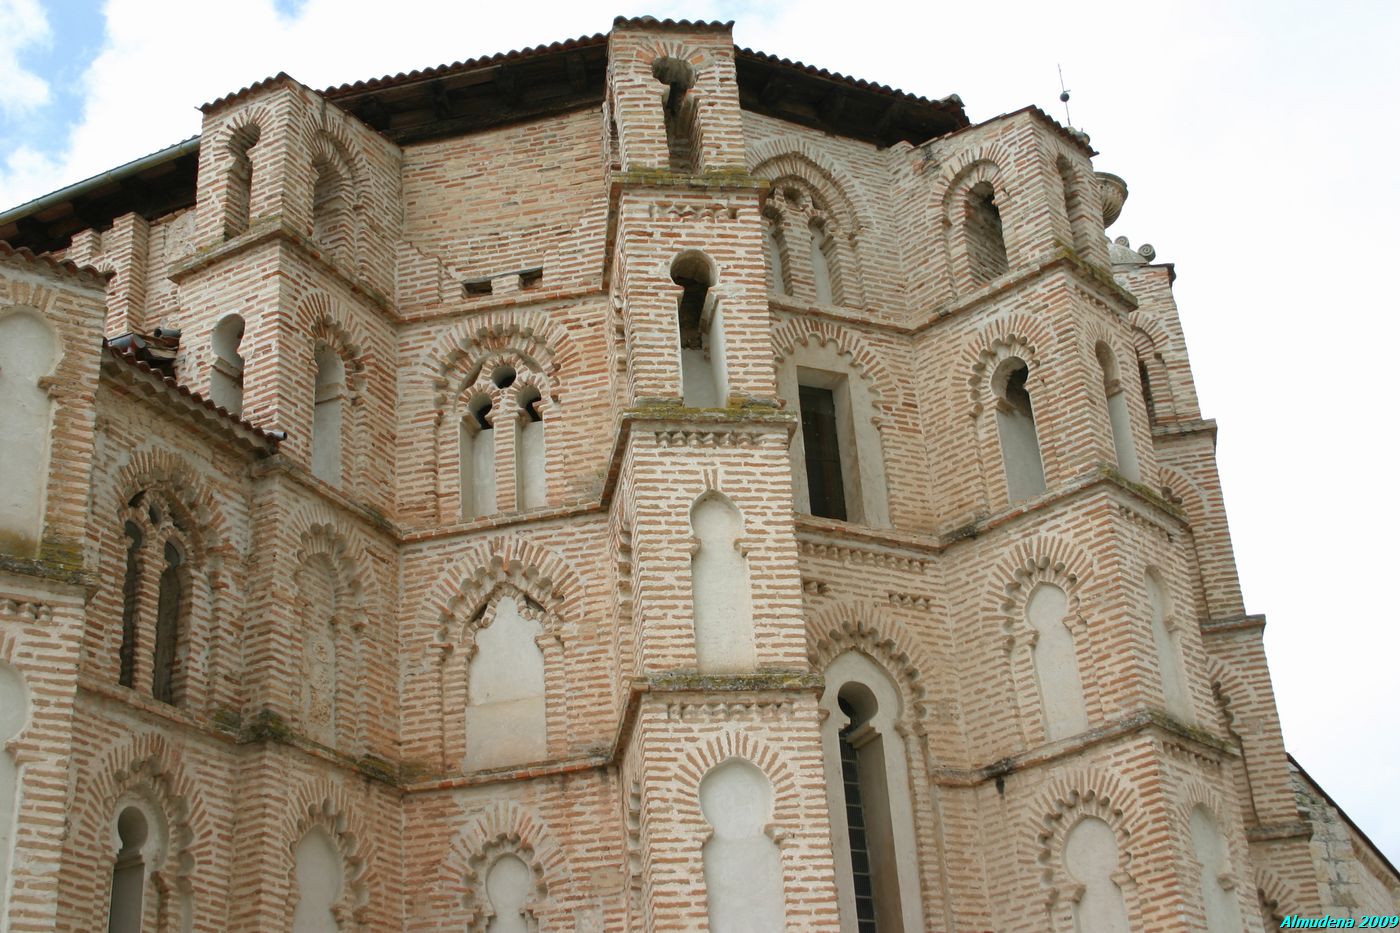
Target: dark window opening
[
  {"x": 826, "y": 492},
  {"x": 169, "y": 608},
  {"x": 986, "y": 244},
  {"x": 131, "y": 586},
  {"x": 1147, "y": 399},
  {"x": 855, "y": 824}
]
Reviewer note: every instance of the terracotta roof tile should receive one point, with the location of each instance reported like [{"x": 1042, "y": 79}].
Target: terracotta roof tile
[
  {"x": 171, "y": 384},
  {"x": 443, "y": 71},
  {"x": 651, "y": 22},
  {"x": 951, "y": 101},
  {"x": 65, "y": 266},
  {"x": 280, "y": 78}
]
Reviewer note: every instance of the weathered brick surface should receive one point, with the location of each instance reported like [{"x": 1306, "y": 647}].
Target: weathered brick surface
[{"x": 610, "y": 822}]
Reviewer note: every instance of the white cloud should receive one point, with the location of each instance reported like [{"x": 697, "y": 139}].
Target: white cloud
[
  {"x": 1255, "y": 137},
  {"x": 22, "y": 24}
]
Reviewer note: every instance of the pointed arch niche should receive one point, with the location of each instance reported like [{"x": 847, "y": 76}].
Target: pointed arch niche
[{"x": 869, "y": 799}]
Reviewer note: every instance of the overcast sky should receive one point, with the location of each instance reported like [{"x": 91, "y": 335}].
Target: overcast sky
[{"x": 1259, "y": 141}]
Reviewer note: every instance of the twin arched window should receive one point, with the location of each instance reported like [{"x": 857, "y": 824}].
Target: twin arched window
[
  {"x": 503, "y": 399},
  {"x": 804, "y": 246},
  {"x": 156, "y": 597}
]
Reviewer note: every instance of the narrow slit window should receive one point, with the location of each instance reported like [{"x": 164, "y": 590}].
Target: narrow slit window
[
  {"x": 169, "y": 611},
  {"x": 822, "y": 451}
]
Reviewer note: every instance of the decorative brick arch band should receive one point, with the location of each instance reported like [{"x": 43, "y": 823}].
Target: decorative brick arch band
[
  {"x": 794, "y": 332},
  {"x": 148, "y": 767},
  {"x": 321, "y": 804},
  {"x": 503, "y": 828},
  {"x": 858, "y": 625},
  {"x": 702, "y": 758},
  {"x": 1061, "y": 806}
]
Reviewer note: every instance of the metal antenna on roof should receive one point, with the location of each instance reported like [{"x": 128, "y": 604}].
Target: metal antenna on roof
[{"x": 1064, "y": 95}]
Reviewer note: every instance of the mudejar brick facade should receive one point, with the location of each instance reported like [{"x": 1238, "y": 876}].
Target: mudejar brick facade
[{"x": 630, "y": 484}]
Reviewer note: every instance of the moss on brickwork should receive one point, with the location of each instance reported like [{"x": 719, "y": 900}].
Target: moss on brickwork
[{"x": 759, "y": 680}]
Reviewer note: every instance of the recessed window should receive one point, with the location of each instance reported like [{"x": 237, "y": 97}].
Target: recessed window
[{"x": 821, "y": 445}]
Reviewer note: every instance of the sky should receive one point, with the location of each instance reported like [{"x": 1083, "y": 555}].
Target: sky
[{"x": 1259, "y": 141}]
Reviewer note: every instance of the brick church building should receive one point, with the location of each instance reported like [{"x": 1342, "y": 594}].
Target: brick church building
[{"x": 630, "y": 484}]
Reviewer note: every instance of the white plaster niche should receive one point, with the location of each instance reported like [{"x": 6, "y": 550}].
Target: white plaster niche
[
  {"x": 1091, "y": 859},
  {"x": 320, "y": 878},
  {"x": 723, "y": 612},
  {"x": 1125, "y": 452},
  {"x": 505, "y": 690},
  {"x": 29, "y": 351},
  {"x": 508, "y": 884},
  {"x": 1056, "y": 666},
  {"x": 326, "y": 423},
  {"x": 14, "y": 713},
  {"x": 743, "y": 867},
  {"x": 1217, "y": 884},
  {"x": 1175, "y": 692},
  {"x": 226, "y": 371}
]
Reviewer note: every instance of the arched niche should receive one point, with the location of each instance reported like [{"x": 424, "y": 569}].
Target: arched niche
[
  {"x": 29, "y": 353},
  {"x": 1125, "y": 451},
  {"x": 1176, "y": 691},
  {"x": 720, "y": 596},
  {"x": 742, "y": 865},
  {"x": 320, "y": 880},
  {"x": 226, "y": 370},
  {"x": 1056, "y": 663},
  {"x": 14, "y": 715},
  {"x": 1016, "y": 429},
  {"x": 327, "y": 422},
  {"x": 1092, "y": 861},
  {"x": 505, "y": 715},
  {"x": 1212, "y": 854}
]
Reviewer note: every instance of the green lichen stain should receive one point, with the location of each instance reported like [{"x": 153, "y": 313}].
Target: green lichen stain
[{"x": 759, "y": 680}]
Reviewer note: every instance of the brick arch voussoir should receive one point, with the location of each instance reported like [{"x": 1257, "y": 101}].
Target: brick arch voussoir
[
  {"x": 520, "y": 829},
  {"x": 317, "y": 533},
  {"x": 1276, "y": 895},
  {"x": 238, "y": 123},
  {"x": 859, "y": 625},
  {"x": 534, "y": 570},
  {"x": 793, "y": 157},
  {"x": 700, "y": 759},
  {"x": 1149, "y": 336},
  {"x": 885, "y": 390},
  {"x": 319, "y": 802},
  {"x": 1195, "y": 792},
  {"x": 1038, "y": 560},
  {"x": 325, "y": 319},
  {"x": 983, "y": 162},
  {"x": 1181, "y": 490},
  {"x": 152, "y": 763},
  {"x": 1072, "y": 797},
  {"x": 699, "y": 59},
  {"x": 1017, "y": 335},
  {"x": 154, "y": 468},
  {"x": 530, "y": 335}
]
